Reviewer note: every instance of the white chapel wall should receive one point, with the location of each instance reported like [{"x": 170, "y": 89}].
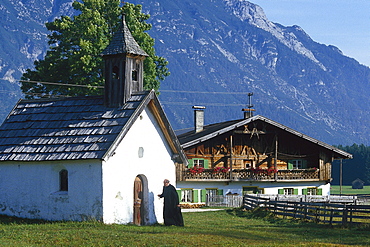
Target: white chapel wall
[
  {"x": 31, "y": 190},
  {"x": 143, "y": 151}
]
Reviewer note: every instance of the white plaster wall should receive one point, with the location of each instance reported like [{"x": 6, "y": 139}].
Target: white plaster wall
[
  {"x": 269, "y": 188},
  {"x": 121, "y": 169},
  {"x": 31, "y": 190}
]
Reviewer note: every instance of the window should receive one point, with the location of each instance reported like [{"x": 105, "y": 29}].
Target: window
[
  {"x": 288, "y": 191},
  {"x": 141, "y": 152},
  {"x": 199, "y": 163},
  {"x": 63, "y": 180},
  {"x": 134, "y": 75},
  {"x": 115, "y": 73},
  {"x": 297, "y": 164},
  {"x": 187, "y": 195},
  {"x": 211, "y": 192},
  {"x": 312, "y": 191}
]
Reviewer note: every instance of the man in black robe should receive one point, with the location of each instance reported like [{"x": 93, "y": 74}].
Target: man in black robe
[{"x": 171, "y": 209}]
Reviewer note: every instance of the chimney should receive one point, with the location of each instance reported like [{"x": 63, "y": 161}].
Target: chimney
[
  {"x": 198, "y": 118},
  {"x": 248, "y": 112}
]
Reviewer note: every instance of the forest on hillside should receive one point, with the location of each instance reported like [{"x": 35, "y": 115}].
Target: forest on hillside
[{"x": 358, "y": 167}]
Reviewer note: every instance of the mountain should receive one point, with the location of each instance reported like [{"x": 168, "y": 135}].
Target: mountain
[
  {"x": 218, "y": 51},
  {"x": 23, "y": 40},
  {"x": 230, "y": 46}
]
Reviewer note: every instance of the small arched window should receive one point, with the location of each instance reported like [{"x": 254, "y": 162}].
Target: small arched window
[
  {"x": 115, "y": 73},
  {"x": 63, "y": 180},
  {"x": 134, "y": 75}
]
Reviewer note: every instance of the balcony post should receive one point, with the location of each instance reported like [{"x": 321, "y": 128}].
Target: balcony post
[
  {"x": 231, "y": 157},
  {"x": 276, "y": 157}
]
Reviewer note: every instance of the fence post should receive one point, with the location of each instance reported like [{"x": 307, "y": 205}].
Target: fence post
[
  {"x": 305, "y": 211},
  {"x": 295, "y": 210},
  {"x": 331, "y": 216},
  {"x": 344, "y": 216},
  {"x": 284, "y": 216}
]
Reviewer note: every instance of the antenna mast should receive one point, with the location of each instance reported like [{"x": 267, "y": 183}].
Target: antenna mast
[{"x": 248, "y": 113}]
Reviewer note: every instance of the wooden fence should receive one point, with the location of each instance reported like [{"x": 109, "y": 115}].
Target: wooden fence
[
  {"x": 330, "y": 210},
  {"x": 230, "y": 201}
]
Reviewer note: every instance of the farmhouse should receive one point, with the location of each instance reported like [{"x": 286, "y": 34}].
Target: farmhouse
[
  {"x": 98, "y": 157},
  {"x": 252, "y": 155}
]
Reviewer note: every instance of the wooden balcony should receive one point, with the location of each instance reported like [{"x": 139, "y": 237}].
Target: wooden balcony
[{"x": 248, "y": 175}]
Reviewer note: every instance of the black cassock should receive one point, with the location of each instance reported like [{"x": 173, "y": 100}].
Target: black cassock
[{"x": 171, "y": 212}]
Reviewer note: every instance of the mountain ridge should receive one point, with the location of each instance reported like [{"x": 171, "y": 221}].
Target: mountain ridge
[{"x": 220, "y": 50}]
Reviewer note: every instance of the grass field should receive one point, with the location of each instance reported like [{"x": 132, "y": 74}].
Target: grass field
[
  {"x": 220, "y": 228},
  {"x": 347, "y": 190}
]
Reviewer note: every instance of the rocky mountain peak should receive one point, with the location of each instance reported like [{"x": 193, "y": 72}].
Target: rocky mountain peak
[
  {"x": 254, "y": 14},
  {"x": 218, "y": 51},
  {"x": 247, "y": 11}
]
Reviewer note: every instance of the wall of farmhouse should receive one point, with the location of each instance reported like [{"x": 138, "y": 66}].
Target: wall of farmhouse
[
  {"x": 143, "y": 151},
  {"x": 262, "y": 187},
  {"x": 32, "y": 190}
]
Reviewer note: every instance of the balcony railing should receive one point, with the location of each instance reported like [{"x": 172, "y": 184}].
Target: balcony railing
[{"x": 251, "y": 175}]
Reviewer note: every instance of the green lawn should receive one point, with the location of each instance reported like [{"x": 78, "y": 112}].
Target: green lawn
[
  {"x": 220, "y": 228},
  {"x": 347, "y": 189}
]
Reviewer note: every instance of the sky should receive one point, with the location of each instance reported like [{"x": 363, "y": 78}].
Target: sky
[{"x": 342, "y": 23}]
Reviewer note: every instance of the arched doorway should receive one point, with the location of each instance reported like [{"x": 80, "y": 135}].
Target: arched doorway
[{"x": 141, "y": 215}]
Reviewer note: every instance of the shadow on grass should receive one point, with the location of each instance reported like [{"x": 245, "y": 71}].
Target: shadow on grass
[
  {"x": 257, "y": 213},
  {"x": 12, "y": 220},
  {"x": 8, "y": 220}
]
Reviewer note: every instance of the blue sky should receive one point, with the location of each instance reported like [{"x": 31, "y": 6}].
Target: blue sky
[{"x": 342, "y": 23}]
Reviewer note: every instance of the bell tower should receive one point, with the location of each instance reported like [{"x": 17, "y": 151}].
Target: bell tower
[{"x": 123, "y": 72}]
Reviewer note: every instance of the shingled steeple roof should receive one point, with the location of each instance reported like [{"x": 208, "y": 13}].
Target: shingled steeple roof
[{"x": 123, "y": 42}]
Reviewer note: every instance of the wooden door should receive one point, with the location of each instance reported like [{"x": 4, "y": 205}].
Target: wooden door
[{"x": 138, "y": 193}]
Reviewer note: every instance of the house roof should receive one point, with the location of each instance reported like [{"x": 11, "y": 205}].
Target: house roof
[
  {"x": 123, "y": 42},
  {"x": 358, "y": 180},
  {"x": 209, "y": 131},
  {"x": 74, "y": 128}
]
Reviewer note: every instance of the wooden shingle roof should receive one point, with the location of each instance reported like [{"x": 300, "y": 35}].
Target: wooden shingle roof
[
  {"x": 66, "y": 129},
  {"x": 123, "y": 42},
  {"x": 191, "y": 138}
]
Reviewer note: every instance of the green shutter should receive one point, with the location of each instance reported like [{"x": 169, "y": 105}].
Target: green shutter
[
  {"x": 203, "y": 194},
  {"x": 220, "y": 192},
  {"x": 206, "y": 166},
  {"x": 179, "y": 194},
  {"x": 290, "y": 165},
  {"x": 304, "y": 164},
  {"x": 281, "y": 191},
  {"x": 195, "y": 196},
  {"x": 319, "y": 192},
  {"x": 191, "y": 163},
  {"x": 295, "y": 191},
  {"x": 304, "y": 191}
]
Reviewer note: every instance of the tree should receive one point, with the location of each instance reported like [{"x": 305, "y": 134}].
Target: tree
[
  {"x": 358, "y": 167},
  {"x": 76, "y": 44}
]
